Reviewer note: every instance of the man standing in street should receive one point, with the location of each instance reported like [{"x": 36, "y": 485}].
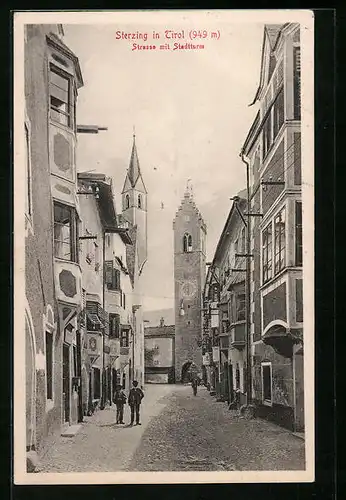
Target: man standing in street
[
  {"x": 135, "y": 398},
  {"x": 120, "y": 400}
]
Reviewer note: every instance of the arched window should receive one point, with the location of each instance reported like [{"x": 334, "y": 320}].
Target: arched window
[
  {"x": 127, "y": 201},
  {"x": 139, "y": 201},
  {"x": 187, "y": 243}
]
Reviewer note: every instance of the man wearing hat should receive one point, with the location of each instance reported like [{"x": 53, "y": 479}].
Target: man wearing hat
[{"x": 135, "y": 398}]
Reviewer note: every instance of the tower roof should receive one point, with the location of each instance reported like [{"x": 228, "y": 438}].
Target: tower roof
[
  {"x": 188, "y": 200},
  {"x": 134, "y": 171}
]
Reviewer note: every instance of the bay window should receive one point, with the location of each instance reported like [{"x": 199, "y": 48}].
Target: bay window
[
  {"x": 65, "y": 232},
  {"x": 61, "y": 101}
]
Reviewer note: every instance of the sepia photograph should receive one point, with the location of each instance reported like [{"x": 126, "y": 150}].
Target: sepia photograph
[{"x": 163, "y": 236}]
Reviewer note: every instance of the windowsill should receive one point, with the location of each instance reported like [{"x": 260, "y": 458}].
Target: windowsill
[
  {"x": 61, "y": 259},
  {"x": 49, "y": 405},
  {"x": 274, "y": 278},
  {"x": 280, "y": 274},
  {"x": 68, "y": 128}
]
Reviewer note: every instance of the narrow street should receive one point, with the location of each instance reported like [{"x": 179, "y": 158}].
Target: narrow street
[{"x": 178, "y": 432}]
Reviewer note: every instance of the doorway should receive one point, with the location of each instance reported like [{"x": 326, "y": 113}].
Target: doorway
[
  {"x": 185, "y": 373},
  {"x": 66, "y": 381}
]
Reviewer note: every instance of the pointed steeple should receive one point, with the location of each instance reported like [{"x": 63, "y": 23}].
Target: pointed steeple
[{"x": 134, "y": 170}]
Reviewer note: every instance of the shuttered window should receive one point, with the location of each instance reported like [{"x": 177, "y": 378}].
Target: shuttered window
[
  {"x": 114, "y": 326},
  {"x": 112, "y": 276}
]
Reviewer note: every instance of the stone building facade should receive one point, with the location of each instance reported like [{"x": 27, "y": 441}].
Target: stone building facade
[
  {"x": 273, "y": 149},
  {"x": 189, "y": 275},
  {"x": 52, "y": 273}
]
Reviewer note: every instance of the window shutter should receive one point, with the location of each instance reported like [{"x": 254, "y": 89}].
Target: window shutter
[
  {"x": 114, "y": 325},
  {"x": 108, "y": 271},
  {"x": 116, "y": 279}
]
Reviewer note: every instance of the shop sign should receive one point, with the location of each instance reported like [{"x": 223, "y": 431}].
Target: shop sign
[
  {"x": 216, "y": 354},
  {"x": 206, "y": 359},
  {"x": 94, "y": 344}
]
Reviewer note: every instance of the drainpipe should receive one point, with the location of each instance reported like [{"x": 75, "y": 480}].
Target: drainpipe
[{"x": 248, "y": 288}]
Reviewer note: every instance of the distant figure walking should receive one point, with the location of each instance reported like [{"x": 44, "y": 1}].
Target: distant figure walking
[
  {"x": 135, "y": 398},
  {"x": 120, "y": 401},
  {"x": 194, "y": 384}
]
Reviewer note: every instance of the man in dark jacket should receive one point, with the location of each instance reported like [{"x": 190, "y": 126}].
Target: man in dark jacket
[
  {"x": 119, "y": 400},
  {"x": 135, "y": 398}
]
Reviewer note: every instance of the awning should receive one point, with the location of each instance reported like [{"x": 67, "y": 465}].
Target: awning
[{"x": 95, "y": 320}]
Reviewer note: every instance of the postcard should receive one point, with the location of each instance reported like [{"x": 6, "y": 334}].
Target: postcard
[{"x": 164, "y": 243}]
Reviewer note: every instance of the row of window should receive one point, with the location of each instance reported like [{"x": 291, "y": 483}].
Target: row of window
[
  {"x": 274, "y": 243},
  {"x": 139, "y": 201}
]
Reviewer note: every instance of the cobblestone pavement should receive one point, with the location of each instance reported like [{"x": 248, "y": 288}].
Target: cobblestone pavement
[
  {"x": 178, "y": 432},
  {"x": 197, "y": 433}
]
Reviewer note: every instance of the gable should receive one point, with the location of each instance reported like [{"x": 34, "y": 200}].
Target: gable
[
  {"x": 127, "y": 185},
  {"x": 139, "y": 184}
]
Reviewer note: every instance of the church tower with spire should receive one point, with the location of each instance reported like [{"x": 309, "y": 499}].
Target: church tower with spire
[
  {"x": 134, "y": 204},
  {"x": 190, "y": 233}
]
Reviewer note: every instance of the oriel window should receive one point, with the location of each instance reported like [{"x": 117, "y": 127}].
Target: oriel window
[
  {"x": 65, "y": 232},
  {"x": 60, "y": 97}
]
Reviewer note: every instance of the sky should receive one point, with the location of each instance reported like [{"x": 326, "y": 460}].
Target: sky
[{"x": 191, "y": 114}]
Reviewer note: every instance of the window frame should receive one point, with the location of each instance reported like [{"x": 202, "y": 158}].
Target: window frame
[
  {"x": 124, "y": 338},
  {"x": 240, "y": 304},
  {"x": 114, "y": 325},
  {"x": 71, "y": 97},
  {"x": 265, "y": 401},
  {"x": 73, "y": 232},
  {"x": 296, "y": 82},
  {"x": 298, "y": 234},
  {"x": 187, "y": 243},
  {"x": 267, "y": 263},
  {"x": 281, "y": 263},
  {"x": 127, "y": 201}
]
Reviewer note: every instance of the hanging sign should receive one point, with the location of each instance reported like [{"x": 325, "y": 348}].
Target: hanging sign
[
  {"x": 216, "y": 354},
  {"x": 206, "y": 359}
]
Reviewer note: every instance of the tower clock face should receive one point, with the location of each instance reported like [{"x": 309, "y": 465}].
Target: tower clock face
[{"x": 188, "y": 289}]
